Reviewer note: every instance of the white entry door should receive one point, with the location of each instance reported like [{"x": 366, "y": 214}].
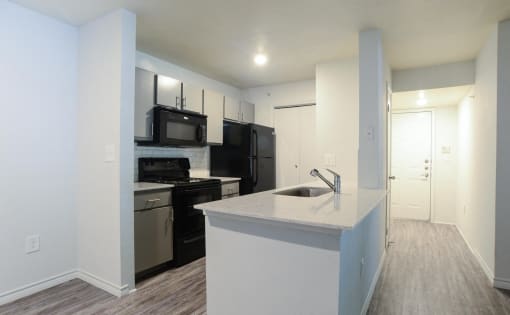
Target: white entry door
[{"x": 411, "y": 152}]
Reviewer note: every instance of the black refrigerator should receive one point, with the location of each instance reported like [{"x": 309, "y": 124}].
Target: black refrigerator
[{"x": 248, "y": 152}]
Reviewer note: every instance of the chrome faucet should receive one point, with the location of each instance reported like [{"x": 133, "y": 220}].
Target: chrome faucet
[{"x": 337, "y": 181}]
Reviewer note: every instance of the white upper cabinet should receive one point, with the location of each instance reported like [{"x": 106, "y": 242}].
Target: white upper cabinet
[
  {"x": 168, "y": 91},
  {"x": 213, "y": 108},
  {"x": 247, "y": 112},
  {"x": 231, "y": 108},
  {"x": 192, "y": 97},
  {"x": 144, "y": 102}
]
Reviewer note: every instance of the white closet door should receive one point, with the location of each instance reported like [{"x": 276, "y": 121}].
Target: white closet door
[
  {"x": 295, "y": 145},
  {"x": 286, "y": 123},
  {"x": 307, "y": 146}
]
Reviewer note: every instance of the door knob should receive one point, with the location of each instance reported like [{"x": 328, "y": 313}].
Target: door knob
[
  {"x": 295, "y": 166},
  {"x": 426, "y": 175},
  {"x": 426, "y": 161},
  {"x": 426, "y": 167},
  {"x": 392, "y": 177}
]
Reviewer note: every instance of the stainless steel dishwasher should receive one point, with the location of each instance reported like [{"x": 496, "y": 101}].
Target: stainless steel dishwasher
[{"x": 154, "y": 217}]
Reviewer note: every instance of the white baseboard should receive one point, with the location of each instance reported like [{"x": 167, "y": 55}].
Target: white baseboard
[
  {"x": 103, "y": 284},
  {"x": 371, "y": 290},
  {"x": 501, "y": 283},
  {"x": 34, "y": 287},
  {"x": 445, "y": 223},
  {"x": 488, "y": 272}
]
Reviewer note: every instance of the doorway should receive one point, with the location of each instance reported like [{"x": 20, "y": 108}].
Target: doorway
[
  {"x": 411, "y": 165},
  {"x": 422, "y": 152}
]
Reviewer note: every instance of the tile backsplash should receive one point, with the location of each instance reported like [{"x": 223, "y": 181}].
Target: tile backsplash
[{"x": 198, "y": 157}]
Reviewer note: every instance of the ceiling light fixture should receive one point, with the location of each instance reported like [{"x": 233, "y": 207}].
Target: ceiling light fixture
[
  {"x": 260, "y": 59},
  {"x": 421, "y": 102}
]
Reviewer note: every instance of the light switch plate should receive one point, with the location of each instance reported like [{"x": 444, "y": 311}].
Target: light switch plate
[
  {"x": 329, "y": 160},
  {"x": 109, "y": 153}
]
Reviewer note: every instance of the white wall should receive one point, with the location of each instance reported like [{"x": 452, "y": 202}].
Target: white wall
[
  {"x": 444, "y": 167},
  {"x": 477, "y": 159},
  {"x": 106, "y": 65},
  {"x": 433, "y": 77},
  {"x": 502, "y": 259},
  {"x": 266, "y": 98},
  {"x": 38, "y": 144},
  {"x": 337, "y": 117},
  {"x": 163, "y": 67}
]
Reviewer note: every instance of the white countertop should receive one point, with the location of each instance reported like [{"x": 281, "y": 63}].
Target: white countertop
[
  {"x": 143, "y": 186},
  {"x": 225, "y": 180},
  {"x": 329, "y": 211}
]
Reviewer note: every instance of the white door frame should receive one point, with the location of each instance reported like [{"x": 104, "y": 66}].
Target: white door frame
[
  {"x": 388, "y": 164},
  {"x": 432, "y": 153}
]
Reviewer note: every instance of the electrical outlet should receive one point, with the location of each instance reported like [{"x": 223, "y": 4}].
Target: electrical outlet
[
  {"x": 32, "y": 244},
  {"x": 362, "y": 267}
]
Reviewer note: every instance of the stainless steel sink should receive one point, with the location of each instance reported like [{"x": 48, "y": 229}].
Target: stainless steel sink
[{"x": 304, "y": 191}]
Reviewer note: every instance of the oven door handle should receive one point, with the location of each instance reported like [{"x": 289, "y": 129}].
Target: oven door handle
[{"x": 194, "y": 239}]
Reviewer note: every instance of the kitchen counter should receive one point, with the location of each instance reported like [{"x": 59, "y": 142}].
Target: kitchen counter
[
  {"x": 143, "y": 186},
  {"x": 304, "y": 255},
  {"x": 225, "y": 180},
  {"x": 329, "y": 211}
]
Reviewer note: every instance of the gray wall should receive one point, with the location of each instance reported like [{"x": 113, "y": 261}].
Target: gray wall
[
  {"x": 434, "y": 77},
  {"x": 502, "y": 268}
]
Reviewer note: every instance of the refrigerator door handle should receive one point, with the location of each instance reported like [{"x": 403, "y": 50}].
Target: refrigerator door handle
[
  {"x": 255, "y": 168},
  {"x": 255, "y": 143},
  {"x": 255, "y": 157}
]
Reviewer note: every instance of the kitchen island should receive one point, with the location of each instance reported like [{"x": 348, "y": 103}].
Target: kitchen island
[{"x": 277, "y": 254}]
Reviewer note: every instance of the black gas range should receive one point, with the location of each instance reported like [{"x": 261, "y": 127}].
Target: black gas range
[{"x": 189, "y": 223}]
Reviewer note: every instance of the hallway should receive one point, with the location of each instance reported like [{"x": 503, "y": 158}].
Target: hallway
[{"x": 430, "y": 270}]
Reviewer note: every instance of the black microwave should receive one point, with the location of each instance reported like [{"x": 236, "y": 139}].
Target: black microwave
[{"x": 173, "y": 127}]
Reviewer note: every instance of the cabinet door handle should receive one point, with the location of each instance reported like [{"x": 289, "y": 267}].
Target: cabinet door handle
[{"x": 153, "y": 200}]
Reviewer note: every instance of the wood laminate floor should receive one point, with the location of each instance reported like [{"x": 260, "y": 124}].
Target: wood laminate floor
[
  {"x": 177, "y": 291},
  {"x": 430, "y": 270}
]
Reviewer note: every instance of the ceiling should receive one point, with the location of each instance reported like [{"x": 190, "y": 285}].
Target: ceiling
[
  {"x": 450, "y": 96},
  {"x": 219, "y": 38}
]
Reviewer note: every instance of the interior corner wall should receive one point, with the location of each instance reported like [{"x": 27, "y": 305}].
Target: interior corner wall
[
  {"x": 105, "y": 71},
  {"x": 38, "y": 73},
  {"x": 444, "y": 167},
  {"x": 126, "y": 149},
  {"x": 502, "y": 250},
  {"x": 476, "y": 186},
  {"x": 267, "y": 97},
  {"x": 337, "y": 117}
]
